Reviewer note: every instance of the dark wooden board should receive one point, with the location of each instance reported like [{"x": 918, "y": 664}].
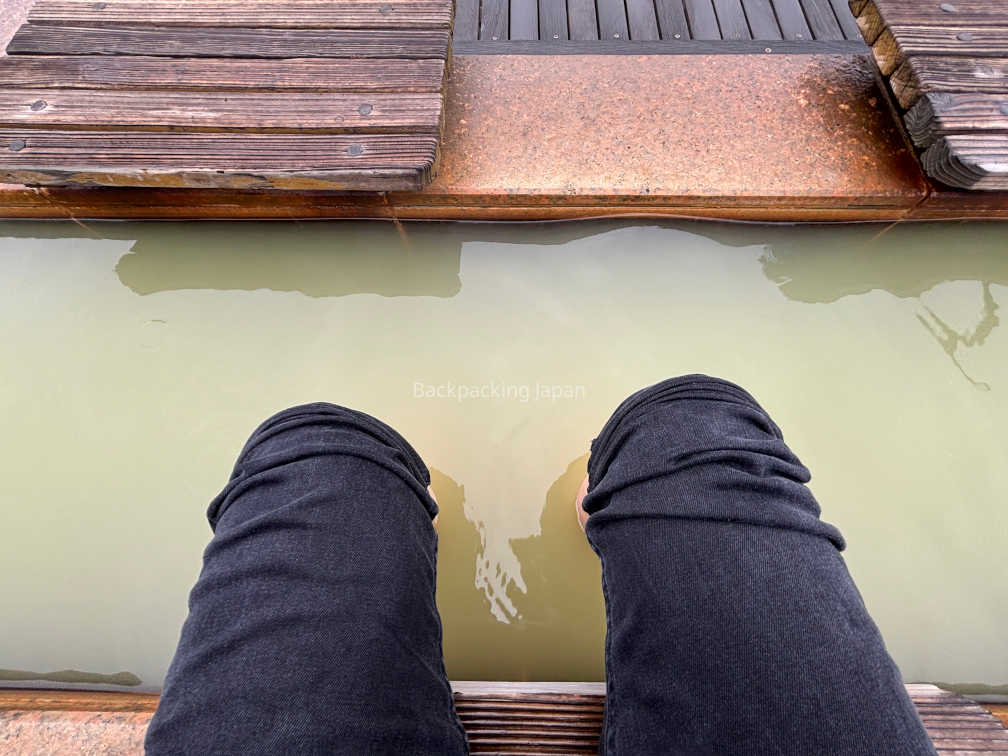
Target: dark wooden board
[
  {"x": 224, "y": 42},
  {"x": 936, "y": 74},
  {"x": 274, "y": 161},
  {"x": 792, "y": 20},
  {"x": 612, "y": 19},
  {"x": 846, "y": 19},
  {"x": 221, "y": 74},
  {"x": 642, "y": 20},
  {"x": 493, "y": 20},
  {"x": 762, "y": 21},
  {"x": 731, "y": 19},
  {"x": 647, "y": 21},
  {"x": 289, "y": 14},
  {"x": 280, "y": 111},
  {"x": 466, "y": 20},
  {"x": 899, "y": 42},
  {"x": 662, "y": 47},
  {"x": 524, "y": 19},
  {"x": 702, "y": 19},
  {"x": 553, "y": 20},
  {"x": 939, "y": 114},
  {"x": 672, "y": 19},
  {"x": 582, "y": 20},
  {"x": 822, "y": 20}
]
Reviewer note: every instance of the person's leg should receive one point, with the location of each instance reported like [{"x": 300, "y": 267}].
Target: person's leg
[
  {"x": 733, "y": 626},
  {"x": 312, "y": 628}
]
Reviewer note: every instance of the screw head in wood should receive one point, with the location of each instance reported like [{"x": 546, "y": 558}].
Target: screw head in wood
[
  {"x": 556, "y": 36},
  {"x": 1004, "y": 109},
  {"x": 386, "y": 9},
  {"x": 964, "y": 37},
  {"x": 616, "y": 35},
  {"x": 948, "y": 7},
  {"x": 39, "y": 105},
  {"x": 365, "y": 109},
  {"x": 355, "y": 149},
  {"x": 99, "y": 6},
  {"x": 16, "y": 145}
]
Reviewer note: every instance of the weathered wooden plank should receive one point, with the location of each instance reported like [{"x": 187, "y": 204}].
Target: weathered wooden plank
[
  {"x": 731, "y": 19},
  {"x": 466, "y": 20},
  {"x": 672, "y": 19},
  {"x": 582, "y": 19},
  {"x": 900, "y": 42},
  {"x": 702, "y": 19},
  {"x": 792, "y": 21},
  {"x": 943, "y": 745},
  {"x": 222, "y": 42},
  {"x": 989, "y": 732},
  {"x": 234, "y": 161},
  {"x": 642, "y": 20},
  {"x": 938, "y": 114},
  {"x": 612, "y": 19},
  {"x": 934, "y": 74},
  {"x": 281, "y": 14},
  {"x": 846, "y": 20},
  {"x": 870, "y": 23},
  {"x": 821, "y": 19},
  {"x": 762, "y": 22},
  {"x": 938, "y": 13},
  {"x": 553, "y": 20},
  {"x": 494, "y": 20},
  {"x": 524, "y": 19},
  {"x": 857, "y": 6},
  {"x": 280, "y": 111},
  {"x": 222, "y": 74}
]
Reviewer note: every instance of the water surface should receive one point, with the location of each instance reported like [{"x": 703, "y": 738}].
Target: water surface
[{"x": 137, "y": 358}]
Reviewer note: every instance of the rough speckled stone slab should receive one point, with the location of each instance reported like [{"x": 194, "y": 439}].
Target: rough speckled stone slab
[{"x": 111, "y": 733}]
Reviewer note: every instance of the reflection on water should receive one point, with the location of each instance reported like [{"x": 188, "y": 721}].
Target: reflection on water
[
  {"x": 361, "y": 259},
  {"x": 70, "y": 676},
  {"x": 137, "y": 358},
  {"x": 952, "y": 340},
  {"x": 923, "y": 260}
]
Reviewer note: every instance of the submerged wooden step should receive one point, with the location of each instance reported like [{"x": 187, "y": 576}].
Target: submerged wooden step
[
  {"x": 499, "y": 717},
  {"x": 273, "y": 94},
  {"x": 947, "y": 66}
]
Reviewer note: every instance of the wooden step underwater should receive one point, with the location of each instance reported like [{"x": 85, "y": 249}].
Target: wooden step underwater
[
  {"x": 947, "y": 66},
  {"x": 499, "y": 717},
  {"x": 334, "y": 95}
]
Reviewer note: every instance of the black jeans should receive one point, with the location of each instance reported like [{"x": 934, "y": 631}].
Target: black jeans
[{"x": 733, "y": 625}]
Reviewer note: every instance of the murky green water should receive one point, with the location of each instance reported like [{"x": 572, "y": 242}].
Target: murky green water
[{"x": 136, "y": 359}]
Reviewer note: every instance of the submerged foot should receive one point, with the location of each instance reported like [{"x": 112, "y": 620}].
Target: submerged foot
[{"x": 582, "y": 516}]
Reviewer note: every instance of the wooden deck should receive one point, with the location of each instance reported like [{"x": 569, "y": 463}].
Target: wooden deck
[
  {"x": 947, "y": 66},
  {"x": 499, "y": 717},
  {"x": 267, "y": 94},
  {"x": 651, "y": 20},
  {"x": 568, "y": 128}
]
